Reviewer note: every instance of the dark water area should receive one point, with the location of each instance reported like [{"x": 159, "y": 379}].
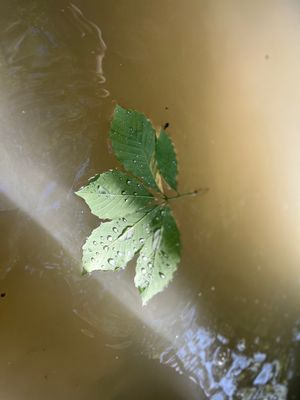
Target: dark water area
[{"x": 224, "y": 77}]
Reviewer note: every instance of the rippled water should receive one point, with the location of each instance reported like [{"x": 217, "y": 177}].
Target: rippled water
[{"x": 225, "y": 78}]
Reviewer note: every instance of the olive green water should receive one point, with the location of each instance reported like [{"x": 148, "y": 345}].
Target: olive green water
[{"x": 224, "y": 75}]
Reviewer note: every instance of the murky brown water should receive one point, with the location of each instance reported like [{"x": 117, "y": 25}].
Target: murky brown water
[{"x": 224, "y": 75}]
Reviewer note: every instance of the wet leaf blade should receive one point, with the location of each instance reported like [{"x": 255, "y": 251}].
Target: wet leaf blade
[
  {"x": 166, "y": 159},
  {"x": 133, "y": 141},
  {"x": 158, "y": 258},
  {"x": 114, "y": 194},
  {"x": 113, "y": 244}
]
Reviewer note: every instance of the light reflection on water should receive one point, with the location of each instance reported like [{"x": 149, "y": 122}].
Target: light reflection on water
[
  {"x": 223, "y": 372},
  {"x": 223, "y": 367},
  {"x": 56, "y": 81}
]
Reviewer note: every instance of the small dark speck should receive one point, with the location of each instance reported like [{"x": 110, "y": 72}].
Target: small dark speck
[
  {"x": 166, "y": 125},
  {"x": 46, "y": 376},
  {"x": 3, "y": 294},
  {"x": 166, "y": 108},
  {"x": 267, "y": 56}
]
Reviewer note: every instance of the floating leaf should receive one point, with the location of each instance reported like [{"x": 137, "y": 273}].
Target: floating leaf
[
  {"x": 133, "y": 142},
  {"x": 159, "y": 257},
  {"x": 140, "y": 223},
  {"x": 114, "y": 193},
  {"x": 166, "y": 159}
]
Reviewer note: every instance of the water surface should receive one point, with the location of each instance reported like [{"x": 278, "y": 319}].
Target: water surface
[{"x": 225, "y": 78}]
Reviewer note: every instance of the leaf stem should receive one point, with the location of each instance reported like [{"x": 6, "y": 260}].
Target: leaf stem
[{"x": 193, "y": 193}]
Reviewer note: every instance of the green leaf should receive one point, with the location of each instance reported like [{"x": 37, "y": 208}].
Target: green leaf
[
  {"x": 113, "y": 194},
  {"x": 166, "y": 159},
  {"x": 133, "y": 142},
  {"x": 159, "y": 257},
  {"x": 140, "y": 223},
  {"x": 113, "y": 244}
]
